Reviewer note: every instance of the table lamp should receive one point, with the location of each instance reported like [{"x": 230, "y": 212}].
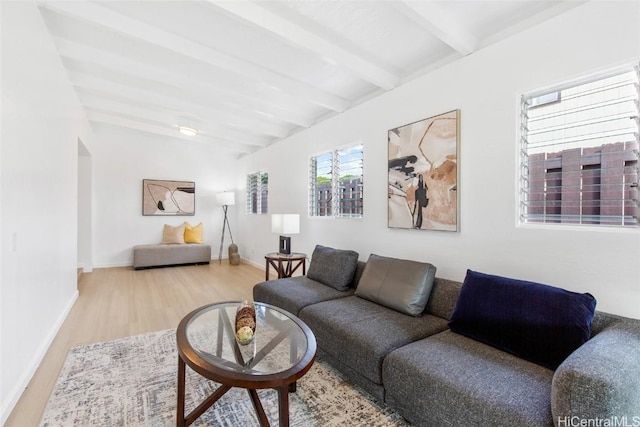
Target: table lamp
[{"x": 284, "y": 224}]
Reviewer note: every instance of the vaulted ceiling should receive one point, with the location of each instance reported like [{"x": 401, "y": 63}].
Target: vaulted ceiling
[{"x": 246, "y": 74}]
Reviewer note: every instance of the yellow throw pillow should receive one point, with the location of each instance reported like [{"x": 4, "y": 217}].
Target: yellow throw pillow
[
  {"x": 193, "y": 234},
  {"x": 173, "y": 235}
]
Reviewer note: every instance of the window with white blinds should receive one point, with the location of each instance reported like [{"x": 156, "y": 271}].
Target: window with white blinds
[
  {"x": 257, "y": 192},
  {"x": 579, "y": 152},
  {"x": 336, "y": 183}
]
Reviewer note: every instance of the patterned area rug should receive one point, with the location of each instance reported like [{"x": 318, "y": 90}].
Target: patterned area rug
[{"x": 132, "y": 382}]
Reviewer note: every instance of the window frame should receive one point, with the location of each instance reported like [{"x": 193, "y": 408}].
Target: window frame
[
  {"x": 337, "y": 201},
  {"x": 261, "y": 194},
  {"x": 595, "y": 221}
]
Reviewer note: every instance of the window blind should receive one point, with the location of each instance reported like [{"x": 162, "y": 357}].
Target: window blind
[
  {"x": 579, "y": 153},
  {"x": 349, "y": 182},
  {"x": 321, "y": 185},
  {"x": 336, "y": 183},
  {"x": 257, "y": 192}
]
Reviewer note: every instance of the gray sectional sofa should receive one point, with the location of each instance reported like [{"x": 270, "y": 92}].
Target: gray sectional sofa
[{"x": 426, "y": 357}]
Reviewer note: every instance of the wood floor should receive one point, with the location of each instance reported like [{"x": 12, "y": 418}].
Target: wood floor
[{"x": 119, "y": 302}]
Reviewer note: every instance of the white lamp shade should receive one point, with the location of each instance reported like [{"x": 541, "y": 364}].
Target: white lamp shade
[
  {"x": 228, "y": 198},
  {"x": 285, "y": 223}
]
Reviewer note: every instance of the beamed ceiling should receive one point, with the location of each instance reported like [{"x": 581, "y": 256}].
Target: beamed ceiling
[{"x": 249, "y": 73}]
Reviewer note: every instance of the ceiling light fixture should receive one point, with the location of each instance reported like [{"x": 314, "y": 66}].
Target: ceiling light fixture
[
  {"x": 188, "y": 131},
  {"x": 265, "y": 114}
]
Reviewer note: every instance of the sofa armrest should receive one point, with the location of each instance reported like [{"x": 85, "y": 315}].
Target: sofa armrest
[{"x": 601, "y": 379}]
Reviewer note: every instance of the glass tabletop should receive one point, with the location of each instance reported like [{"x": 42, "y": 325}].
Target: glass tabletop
[
  {"x": 279, "y": 343},
  {"x": 277, "y": 255}
]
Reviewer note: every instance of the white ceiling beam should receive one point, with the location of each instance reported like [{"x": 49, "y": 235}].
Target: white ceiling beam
[
  {"x": 440, "y": 23},
  {"x": 131, "y": 27},
  {"x": 158, "y": 100},
  {"x": 303, "y": 37},
  {"x": 87, "y": 54},
  {"x": 556, "y": 9},
  {"x": 103, "y": 117},
  {"x": 166, "y": 119}
]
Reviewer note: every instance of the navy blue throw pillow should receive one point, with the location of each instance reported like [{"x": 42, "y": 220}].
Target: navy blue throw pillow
[{"x": 539, "y": 323}]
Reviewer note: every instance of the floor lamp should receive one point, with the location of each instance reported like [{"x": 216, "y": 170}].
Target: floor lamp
[{"x": 225, "y": 199}]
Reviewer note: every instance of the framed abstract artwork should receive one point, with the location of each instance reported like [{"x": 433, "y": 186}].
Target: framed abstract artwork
[
  {"x": 168, "y": 197},
  {"x": 423, "y": 174}
]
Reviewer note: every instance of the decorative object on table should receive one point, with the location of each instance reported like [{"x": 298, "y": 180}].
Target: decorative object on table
[
  {"x": 225, "y": 200},
  {"x": 284, "y": 224},
  {"x": 245, "y": 323},
  {"x": 423, "y": 174},
  {"x": 168, "y": 197}
]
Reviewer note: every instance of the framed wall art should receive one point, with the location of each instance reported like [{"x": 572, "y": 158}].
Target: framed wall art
[
  {"x": 168, "y": 197},
  {"x": 423, "y": 174}
]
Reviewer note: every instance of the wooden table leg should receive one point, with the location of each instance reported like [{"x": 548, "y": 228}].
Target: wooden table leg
[
  {"x": 283, "y": 405},
  {"x": 208, "y": 403},
  {"x": 180, "y": 412},
  {"x": 281, "y": 272},
  {"x": 262, "y": 416}
]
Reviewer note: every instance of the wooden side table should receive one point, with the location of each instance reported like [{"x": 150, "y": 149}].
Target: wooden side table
[{"x": 285, "y": 265}]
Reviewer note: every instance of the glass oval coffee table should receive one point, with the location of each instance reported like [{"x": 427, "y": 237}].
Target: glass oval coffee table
[{"x": 282, "y": 351}]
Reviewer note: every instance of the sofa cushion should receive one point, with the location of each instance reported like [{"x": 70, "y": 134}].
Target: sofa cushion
[
  {"x": 600, "y": 380},
  {"x": 360, "y": 333},
  {"x": 193, "y": 234},
  {"x": 173, "y": 235},
  {"x": 444, "y": 295},
  {"x": 451, "y": 380},
  {"x": 295, "y": 293},
  {"x": 333, "y": 267},
  {"x": 399, "y": 284},
  {"x": 537, "y": 322}
]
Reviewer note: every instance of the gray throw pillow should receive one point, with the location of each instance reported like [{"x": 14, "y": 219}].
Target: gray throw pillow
[
  {"x": 333, "y": 267},
  {"x": 400, "y": 284}
]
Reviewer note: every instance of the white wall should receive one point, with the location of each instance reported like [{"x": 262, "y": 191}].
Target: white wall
[
  {"x": 122, "y": 159},
  {"x": 41, "y": 124},
  {"x": 486, "y": 87}
]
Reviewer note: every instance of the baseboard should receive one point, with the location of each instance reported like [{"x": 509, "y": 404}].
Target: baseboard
[
  {"x": 113, "y": 264},
  {"x": 14, "y": 395},
  {"x": 84, "y": 269},
  {"x": 259, "y": 265}
]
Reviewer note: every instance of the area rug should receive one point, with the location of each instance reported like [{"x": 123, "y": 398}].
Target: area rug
[{"x": 132, "y": 382}]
